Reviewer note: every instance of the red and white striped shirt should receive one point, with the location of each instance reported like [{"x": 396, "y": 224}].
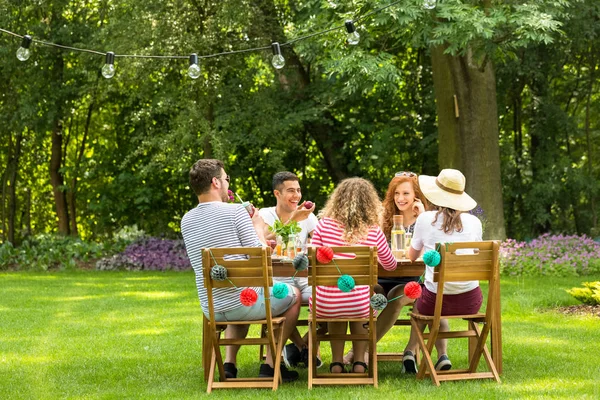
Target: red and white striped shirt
[{"x": 331, "y": 301}]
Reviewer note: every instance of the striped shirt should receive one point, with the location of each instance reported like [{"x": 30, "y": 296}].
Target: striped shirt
[
  {"x": 331, "y": 301},
  {"x": 217, "y": 224}
]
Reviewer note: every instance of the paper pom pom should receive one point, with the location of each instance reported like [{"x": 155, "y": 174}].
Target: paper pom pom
[
  {"x": 432, "y": 258},
  {"x": 324, "y": 254},
  {"x": 346, "y": 283},
  {"x": 300, "y": 262},
  {"x": 378, "y": 302},
  {"x": 218, "y": 273},
  {"x": 280, "y": 290},
  {"x": 412, "y": 290},
  {"x": 248, "y": 297}
]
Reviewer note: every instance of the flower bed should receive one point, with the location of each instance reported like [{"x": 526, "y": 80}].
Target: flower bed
[{"x": 558, "y": 255}]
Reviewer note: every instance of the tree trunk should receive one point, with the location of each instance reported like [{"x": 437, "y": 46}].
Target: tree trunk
[
  {"x": 12, "y": 191},
  {"x": 468, "y": 130},
  {"x": 57, "y": 180}
]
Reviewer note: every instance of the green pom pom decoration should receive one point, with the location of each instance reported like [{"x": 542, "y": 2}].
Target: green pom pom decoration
[
  {"x": 218, "y": 273},
  {"x": 300, "y": 262},
  {"x": 432, "y": 258},
  {"x": 346, "y": 283},
  {"x": 378, "y": 302},
  {"x": 280, "y": 290}
]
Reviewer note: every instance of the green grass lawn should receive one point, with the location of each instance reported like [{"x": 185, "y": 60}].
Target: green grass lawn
[{"x": 138, "y": 335}]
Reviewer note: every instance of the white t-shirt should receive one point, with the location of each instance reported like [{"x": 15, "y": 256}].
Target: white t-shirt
[
  {"x": 269, "y": 215},
  {"x": 426, "y": 236}
]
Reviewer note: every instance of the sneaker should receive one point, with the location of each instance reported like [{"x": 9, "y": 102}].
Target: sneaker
[
  {"x": 230, "y": 370},
  {"x": 409, "y": 365},
  {"x": 266, "y": 371},
  {"x": 443, "y": 363},
  {"x": 291, "y": 355},
  {"x": 304, "y": 358}
]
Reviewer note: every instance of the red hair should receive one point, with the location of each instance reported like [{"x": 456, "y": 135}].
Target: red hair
[{"x": 389, "y": 205}]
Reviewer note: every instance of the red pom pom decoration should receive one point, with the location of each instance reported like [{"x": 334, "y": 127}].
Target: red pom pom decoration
[
  {"x": 412, "y": 290},
  {"x": 248, "y": 297},
  {"x": 324, "y": 254}
]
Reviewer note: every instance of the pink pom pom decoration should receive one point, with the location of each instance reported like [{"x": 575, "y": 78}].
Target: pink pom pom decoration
[
  {"x": 412, "y": 290},
  {"x": 324, "y": 254},
  {"x": 248, "y": 297}
]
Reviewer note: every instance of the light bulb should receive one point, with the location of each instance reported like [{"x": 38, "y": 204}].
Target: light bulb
[
  {"x": 429, "y": 4},
  {"x": 194, "y": 69},
  {"x": 108, "y": 70},
  {"x": 353, "y": 36},
  {"x": 278, "y": 61},
  {"x": 23, "y": 52}
]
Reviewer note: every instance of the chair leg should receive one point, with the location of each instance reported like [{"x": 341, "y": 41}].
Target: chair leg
[
  {"x": 373, "y": 354},
  {"x": 277, "y": 358},
  {"x": 426, "y": 363},
  {"x": 482, "y": 349},
  {"x": 311, "y": 356},
  {"x": 263, "y": 334},
  {"x": 211, "y": 372},
  {"x": 206, "y": 347}
]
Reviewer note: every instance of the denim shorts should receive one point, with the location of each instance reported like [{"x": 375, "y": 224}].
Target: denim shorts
[
  {"x": 257, "y": 310},
  {"x": 301, "y": 284}
]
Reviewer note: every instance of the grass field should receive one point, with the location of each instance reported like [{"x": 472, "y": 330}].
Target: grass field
[{"x": 122, "y": 335}]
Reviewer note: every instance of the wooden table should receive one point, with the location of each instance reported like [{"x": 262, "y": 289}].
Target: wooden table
[{"x": 405, "y": 268}]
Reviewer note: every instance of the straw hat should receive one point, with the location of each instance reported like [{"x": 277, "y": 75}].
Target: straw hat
[{"x": 447, "y": 190}]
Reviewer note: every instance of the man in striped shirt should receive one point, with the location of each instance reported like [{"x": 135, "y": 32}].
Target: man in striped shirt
[{"x": 215, "y": 223}]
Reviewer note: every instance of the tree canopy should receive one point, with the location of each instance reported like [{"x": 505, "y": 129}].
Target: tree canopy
[{"x": 84, "y": 155}]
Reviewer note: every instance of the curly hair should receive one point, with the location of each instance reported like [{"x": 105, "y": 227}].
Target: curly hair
[
  {"x": 389, "y": 204},
  {"x": 355, "y": 205}
]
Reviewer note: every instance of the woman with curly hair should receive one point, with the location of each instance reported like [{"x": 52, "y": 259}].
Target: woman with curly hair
[
  {"x": 403, "y": 197},
  {"x": 350, "y": 217}
]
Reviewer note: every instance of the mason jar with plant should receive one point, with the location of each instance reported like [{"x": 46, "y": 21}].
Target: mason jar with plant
[{"x": 285, "y": 230}]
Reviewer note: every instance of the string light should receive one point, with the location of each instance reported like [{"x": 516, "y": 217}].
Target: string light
[
  {"x": 108, "y": 70},
  {"x": 429, "y": 4},
  {"x": 194, "y": 69},
  {"x": 24, "y": 53},
  {"x": 278, "y": 61},
  {"x": 353, "y": 36}
]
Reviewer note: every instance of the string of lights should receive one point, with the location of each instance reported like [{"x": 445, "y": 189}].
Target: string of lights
[{"x": 194, "y": 70}]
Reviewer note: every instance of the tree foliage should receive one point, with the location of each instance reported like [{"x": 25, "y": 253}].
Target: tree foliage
[{"x": 123, "y": 146}]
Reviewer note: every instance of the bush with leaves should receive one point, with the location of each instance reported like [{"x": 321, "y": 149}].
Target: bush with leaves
[
  {"x": 47, "y": 251},
  {"x": 589, "y": 294},
  {"x": 557, "y": 255}
]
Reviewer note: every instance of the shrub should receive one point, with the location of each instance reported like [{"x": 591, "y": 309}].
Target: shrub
[
  {"x": 557, "y": 255},
  {"x": 47, "y": 251},
  {"x": 151, "y": 254},
  {"x": 589, "y": 294}
]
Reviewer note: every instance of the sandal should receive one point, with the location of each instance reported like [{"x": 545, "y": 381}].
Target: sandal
[
  {"x": 336, "y": 364},
  {"x": 360, "y": 364}
]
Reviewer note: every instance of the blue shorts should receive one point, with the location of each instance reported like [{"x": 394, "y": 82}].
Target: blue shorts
[
  {"x": 300, "y": 283},
  {"x": 257, "y": 310}
]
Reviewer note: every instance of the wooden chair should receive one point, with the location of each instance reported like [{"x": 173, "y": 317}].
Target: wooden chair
[
  {"x": 363, "y": 268},
  {"x": 253, "y": 271},
  {"x": 482, "y": 265}
]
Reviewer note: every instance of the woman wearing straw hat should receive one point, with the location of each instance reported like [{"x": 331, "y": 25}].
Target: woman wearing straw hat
[{"x": 448, "y": 223}]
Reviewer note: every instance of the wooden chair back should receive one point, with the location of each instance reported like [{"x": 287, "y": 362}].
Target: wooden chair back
[{"x": 360, "y": 262}]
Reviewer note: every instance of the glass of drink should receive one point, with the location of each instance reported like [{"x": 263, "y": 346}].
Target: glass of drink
[{"x": 407, "y": 240}]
